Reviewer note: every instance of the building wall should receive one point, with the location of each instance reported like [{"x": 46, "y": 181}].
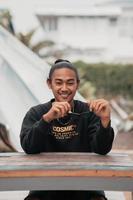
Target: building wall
[
  {"x": 83, "y": 32},
  {"x": 108, "y": 36}
]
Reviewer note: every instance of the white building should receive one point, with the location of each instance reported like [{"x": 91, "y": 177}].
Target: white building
[
  {"x": 97, "y": 31},
  {"x": 124, "y": 42},
  {"x": 80, "y": 28},
  {"x": 103, "y": 31}
]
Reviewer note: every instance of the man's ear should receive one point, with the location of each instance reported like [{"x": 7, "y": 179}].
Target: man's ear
[{"x": 49, "y": 83}]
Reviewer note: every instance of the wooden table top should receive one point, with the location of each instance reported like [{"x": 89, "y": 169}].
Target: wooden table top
[{"x": 117, "y": 164}]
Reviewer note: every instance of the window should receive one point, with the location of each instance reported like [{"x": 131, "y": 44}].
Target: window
[
  {"x": 50, "y": 23},
  {"x": 113, "y": 21}
]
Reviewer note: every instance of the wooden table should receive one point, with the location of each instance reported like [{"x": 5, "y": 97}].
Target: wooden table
[{"x": 66, "y": 171}]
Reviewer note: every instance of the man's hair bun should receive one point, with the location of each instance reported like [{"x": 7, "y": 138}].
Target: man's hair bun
[
  {"x": 60, "y": 64},
  {"x": 61, "y": 60}
]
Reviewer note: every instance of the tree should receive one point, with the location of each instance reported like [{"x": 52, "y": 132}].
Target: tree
[
  {"x": 6, "y": 20},
  {"x": 27, "y": 40}
]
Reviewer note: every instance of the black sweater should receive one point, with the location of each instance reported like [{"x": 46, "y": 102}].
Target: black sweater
[
  {"x": 74, "y": 133},
  {"x": 82, "y": 133}
]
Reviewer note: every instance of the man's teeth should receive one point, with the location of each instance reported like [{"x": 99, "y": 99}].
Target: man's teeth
[{"x": 64, "y": 95}]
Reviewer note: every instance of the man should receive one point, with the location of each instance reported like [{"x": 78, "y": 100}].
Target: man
[{"x": 67, "y": 125}]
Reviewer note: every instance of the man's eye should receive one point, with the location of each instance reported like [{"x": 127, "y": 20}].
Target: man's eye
[
  {"x": 58, "y": 83},
  {"x": 70, "y": 83}
]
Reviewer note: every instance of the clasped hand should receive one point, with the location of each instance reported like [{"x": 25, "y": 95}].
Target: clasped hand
[{"x": 60, "y": 109}]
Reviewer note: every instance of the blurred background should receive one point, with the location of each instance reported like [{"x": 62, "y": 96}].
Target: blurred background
[{"x": 97, "y": 36}]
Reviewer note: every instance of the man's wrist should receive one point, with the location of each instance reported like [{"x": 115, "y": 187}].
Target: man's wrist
[
  {"x": 46, "y": 118},
  {"x": 105, "y": 121},
  {"x": 105, "y": 118}
]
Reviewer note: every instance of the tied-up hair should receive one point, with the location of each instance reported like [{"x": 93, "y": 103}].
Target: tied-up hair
[{"x": 60, "y": 64}]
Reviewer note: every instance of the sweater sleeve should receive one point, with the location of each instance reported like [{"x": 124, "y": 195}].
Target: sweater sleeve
[
  {"x": 101, "y": 138},
  {"x": 33, "y": 131}
]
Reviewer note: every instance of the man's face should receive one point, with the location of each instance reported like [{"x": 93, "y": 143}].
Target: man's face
[{"x": 63, "y": 84}]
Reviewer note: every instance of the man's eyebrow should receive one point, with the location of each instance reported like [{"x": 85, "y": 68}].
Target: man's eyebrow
[
  {"x": 59, "y": 79},
  {"x": 72, "y": 79}
]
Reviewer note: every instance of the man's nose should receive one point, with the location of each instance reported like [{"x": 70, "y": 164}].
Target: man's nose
[{"x": 64, "y": 87}]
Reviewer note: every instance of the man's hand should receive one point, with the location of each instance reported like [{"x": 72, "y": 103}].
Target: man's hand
[
  {"x": 101, "y": 108},
  {"x": 58, "y": 110}
]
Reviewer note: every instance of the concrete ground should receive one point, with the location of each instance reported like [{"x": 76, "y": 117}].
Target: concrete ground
[
  {"x": 124, "y": 141},
  {"x": 13, "y": 195}
]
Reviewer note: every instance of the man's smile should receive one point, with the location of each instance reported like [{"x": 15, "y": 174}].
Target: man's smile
[{"x": 64, "y": 95}]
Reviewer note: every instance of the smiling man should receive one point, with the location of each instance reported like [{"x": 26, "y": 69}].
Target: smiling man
[{"x": 67, "y": 125}]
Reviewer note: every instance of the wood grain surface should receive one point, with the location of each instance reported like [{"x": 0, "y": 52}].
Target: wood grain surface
[{"x": 119, "y": 164}]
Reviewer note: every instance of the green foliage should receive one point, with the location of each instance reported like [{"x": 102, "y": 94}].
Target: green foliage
[
  {"x": 108, "y": 79},
  {"x": 27, "y": 40},
  {"x": 87, "y": 90},
  {"x": 6, "y": 20}
]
